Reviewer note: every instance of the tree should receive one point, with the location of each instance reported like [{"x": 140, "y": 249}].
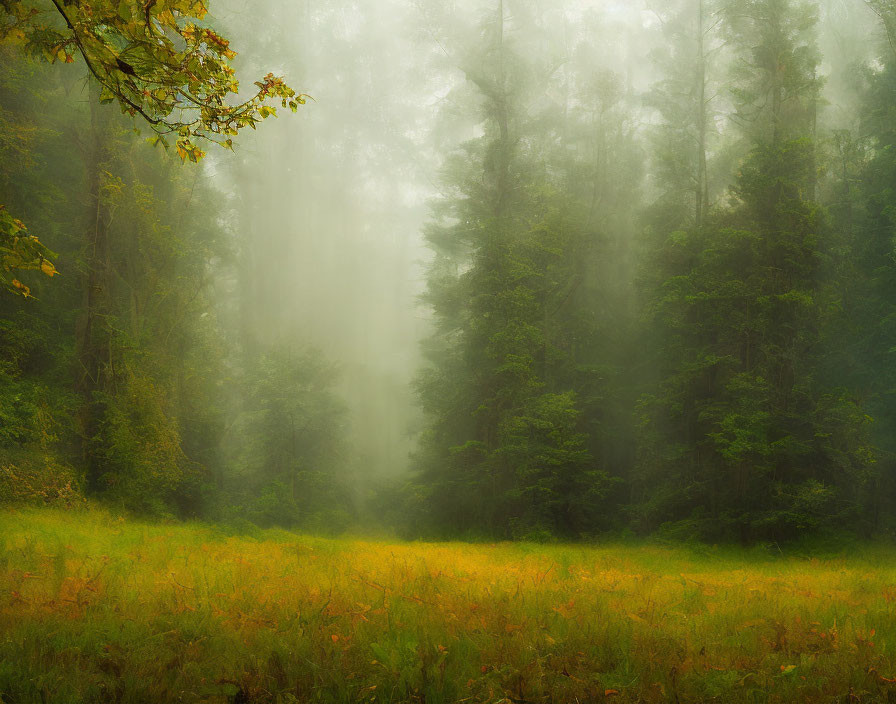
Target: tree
[
  {"x": 863, "y": 335},
  {"x": 744, "y": 439},
  {"x": 288, "y": 441},
  {"x": 684, "y": 100},
  {"x": 517, "y": 391},
  {"x": 143, "y": 427},
  {"x": 154, "y": 60},
  {"x": 886, "y": 10}
]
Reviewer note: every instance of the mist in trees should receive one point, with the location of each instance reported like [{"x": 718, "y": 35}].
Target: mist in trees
[{"x": 514, "y": 269}]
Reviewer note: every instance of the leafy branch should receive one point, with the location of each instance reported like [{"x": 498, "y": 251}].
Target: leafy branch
[{"x": 20, "y": 251}]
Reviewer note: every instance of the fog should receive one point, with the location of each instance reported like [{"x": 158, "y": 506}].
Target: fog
[
  {"x": 516, "y": 269},
  {"x": 331, "y": 204},
  {"x": 447, "y": 351},
  {"x": 340, "y": 216}
]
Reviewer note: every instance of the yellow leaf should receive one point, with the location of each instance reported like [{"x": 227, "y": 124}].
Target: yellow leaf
[{"x": 48, "y": 268}]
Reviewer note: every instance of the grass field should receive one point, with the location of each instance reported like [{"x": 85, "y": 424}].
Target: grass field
[{"x": 97, "y": 609}]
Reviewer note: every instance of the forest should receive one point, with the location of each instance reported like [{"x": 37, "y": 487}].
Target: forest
[
  {"x": 601, "y": 292},
  {"x": 574, "y": 269}
]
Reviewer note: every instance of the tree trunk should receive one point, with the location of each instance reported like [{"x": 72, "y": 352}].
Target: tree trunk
[
  {"x": 701, "y": 186},
  {"x": 92, "y": 335},
  {"x": 503, "y": 165}
]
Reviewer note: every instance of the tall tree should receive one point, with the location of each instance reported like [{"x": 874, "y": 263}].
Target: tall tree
[
  {"x": 746, "y": 441},
  {"x": 684, "y": 101},
  {"x": 514, "y": 385},
  {"x": 862, "y": 333}
]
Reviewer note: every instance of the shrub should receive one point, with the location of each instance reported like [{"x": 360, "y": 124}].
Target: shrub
[{"x": 38, "y": 479}]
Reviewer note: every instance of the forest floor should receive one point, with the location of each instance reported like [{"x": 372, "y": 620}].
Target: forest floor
[{"x": 94, "y": 608}]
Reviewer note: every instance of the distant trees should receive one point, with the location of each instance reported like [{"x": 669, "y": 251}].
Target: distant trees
[
  {"x": 660, "y": 309},
  {"x": 288, "y": 454},
  {"x": 684, "y": 98}
]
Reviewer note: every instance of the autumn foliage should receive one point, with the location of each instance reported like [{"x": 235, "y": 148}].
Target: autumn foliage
[{"x": 155, "y": 59}]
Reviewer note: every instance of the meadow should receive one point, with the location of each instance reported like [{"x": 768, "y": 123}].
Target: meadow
[{"x": 95, "y": 608}]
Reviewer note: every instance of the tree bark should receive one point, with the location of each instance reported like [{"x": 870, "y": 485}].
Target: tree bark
[
  {"x": 92, "y": 335},
  {"x": 701, "y": 186}
]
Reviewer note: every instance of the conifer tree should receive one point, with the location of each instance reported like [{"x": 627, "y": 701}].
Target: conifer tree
[{"x": 746, "y": 441}]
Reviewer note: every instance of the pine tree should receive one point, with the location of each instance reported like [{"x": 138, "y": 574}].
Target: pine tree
[
  {"x": 755, "y": 446},
  {"x": 504, "y": 452}
]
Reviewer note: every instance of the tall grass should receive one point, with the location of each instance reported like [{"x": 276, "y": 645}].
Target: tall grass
[{"x": 97, "y": 609}]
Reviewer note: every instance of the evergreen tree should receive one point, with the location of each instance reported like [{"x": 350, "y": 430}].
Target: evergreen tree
[
  {"x": 517, "y": 388},
  {"x": 745, "y": 440},
  {"x": 865, "y": 337}
]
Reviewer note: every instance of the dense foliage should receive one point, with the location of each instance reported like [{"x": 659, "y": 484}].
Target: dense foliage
[
  {"x": 118, "y": 377},
  {"x": 741, "y": 422},
  {"x": 654, "y": 308},
  {"x": 156, "y": 63}
]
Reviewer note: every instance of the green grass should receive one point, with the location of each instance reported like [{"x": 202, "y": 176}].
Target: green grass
[{"x": 97, "y": 609}]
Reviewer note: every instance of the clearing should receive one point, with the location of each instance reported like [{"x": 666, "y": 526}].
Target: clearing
[{"x": 94, "y": 608}]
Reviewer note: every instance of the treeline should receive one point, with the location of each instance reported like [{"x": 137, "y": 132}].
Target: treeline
[
  {"x": 684, "y": 326},
  {"x": 663, "y": 292}
]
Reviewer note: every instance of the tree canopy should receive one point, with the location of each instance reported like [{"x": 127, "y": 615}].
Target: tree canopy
[{"x": 159, "y": 62}]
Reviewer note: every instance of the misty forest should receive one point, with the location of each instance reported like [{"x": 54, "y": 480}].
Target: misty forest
[{"x": 442, "y": 351}]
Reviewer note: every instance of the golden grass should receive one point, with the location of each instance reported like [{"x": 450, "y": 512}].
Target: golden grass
[{"x": 96, "y": 609}]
